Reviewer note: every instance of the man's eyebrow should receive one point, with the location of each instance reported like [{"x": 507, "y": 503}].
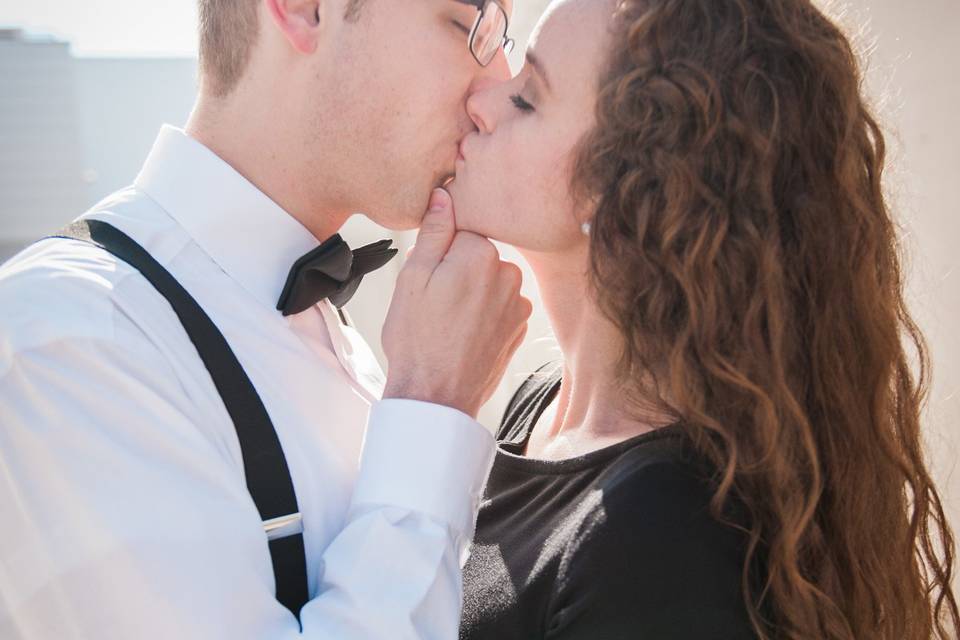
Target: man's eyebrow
[{"x": 534, "y": 62}]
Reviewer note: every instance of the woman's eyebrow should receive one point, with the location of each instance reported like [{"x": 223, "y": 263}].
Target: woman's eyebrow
[
  {"x": 473, "y": 3},
  {"x": 534, "y": 62}
]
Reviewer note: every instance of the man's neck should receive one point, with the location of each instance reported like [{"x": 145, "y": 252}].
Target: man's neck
[{"x": 266, "y": 158}]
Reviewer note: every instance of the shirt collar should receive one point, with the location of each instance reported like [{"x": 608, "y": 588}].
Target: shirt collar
[{"x": 246, "y": 233}]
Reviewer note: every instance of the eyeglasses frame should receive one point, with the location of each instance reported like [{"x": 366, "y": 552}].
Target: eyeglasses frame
[{"x": 507, "y": 44}]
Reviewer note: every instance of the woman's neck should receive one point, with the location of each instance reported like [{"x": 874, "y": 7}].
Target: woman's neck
[{"x": 590, "y": 411}]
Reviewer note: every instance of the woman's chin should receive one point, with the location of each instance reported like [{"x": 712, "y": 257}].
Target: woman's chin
[
  {"x": 481, "y": 215},
  {"x": 464, "y": 207}
]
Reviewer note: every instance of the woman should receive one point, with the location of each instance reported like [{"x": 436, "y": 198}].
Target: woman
[{"x": 731, "y": 446}]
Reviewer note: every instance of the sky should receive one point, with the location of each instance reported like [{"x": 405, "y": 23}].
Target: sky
[{"x": 110, "y": 27}]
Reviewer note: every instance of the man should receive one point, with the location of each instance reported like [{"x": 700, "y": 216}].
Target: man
[{"x": 126, "y": 491}]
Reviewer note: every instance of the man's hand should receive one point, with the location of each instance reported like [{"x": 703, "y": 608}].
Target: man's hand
[{"x": 456, "y": 318}]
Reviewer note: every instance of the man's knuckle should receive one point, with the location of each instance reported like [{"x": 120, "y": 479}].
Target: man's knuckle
[
  {"x": 513, "y": 276},
  {"x": 489, "y": 251},
  {"x": 526, "y": 308}
]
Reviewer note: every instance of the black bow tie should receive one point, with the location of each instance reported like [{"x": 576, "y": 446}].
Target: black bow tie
[{"x": 331, "y": 271}]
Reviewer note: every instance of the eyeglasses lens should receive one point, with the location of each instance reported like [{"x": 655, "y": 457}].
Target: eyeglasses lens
[{"x": 489, "y": 33}]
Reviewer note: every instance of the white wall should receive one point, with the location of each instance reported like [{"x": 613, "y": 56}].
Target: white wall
[
  {"x": 913, "y": 77},
  {"x": 40, "y": 148},
  {"x": 73, "y": 130},
  {"x": 121, "y": 104}
]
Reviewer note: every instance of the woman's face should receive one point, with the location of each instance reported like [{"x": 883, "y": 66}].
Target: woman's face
[{"x": 513, "y": 177}]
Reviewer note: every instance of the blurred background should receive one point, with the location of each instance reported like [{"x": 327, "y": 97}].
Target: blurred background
[{"x": 84, "y": 87}]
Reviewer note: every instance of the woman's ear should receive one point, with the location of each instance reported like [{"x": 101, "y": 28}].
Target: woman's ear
[{"x": 298, "y": 20}]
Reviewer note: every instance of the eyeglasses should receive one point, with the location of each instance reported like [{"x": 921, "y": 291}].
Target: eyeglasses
[{"x": 489, "y": 33}]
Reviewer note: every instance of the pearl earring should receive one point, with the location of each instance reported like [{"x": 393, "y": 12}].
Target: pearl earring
[{"x": 585, "y": 228}]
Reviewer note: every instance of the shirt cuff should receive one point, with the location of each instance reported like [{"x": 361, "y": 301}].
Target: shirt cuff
[{"x": 426, "y": 458}]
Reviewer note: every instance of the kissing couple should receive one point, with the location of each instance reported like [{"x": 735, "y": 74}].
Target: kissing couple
[{"x": 197, "y": 443}]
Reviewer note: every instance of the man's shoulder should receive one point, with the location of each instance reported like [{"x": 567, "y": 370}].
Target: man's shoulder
[{"x": 61, "y": 289}]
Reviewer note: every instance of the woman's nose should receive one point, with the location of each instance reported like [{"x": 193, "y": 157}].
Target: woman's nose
[
  {"x": 479, "y": 100},
  {"x": 477, "y": 108}
]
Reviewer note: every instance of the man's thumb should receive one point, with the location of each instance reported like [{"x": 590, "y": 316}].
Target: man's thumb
[{"x": 436, "y": 230}]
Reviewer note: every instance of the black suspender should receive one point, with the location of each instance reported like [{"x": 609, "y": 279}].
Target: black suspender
[{"x": 265, "y": 467}]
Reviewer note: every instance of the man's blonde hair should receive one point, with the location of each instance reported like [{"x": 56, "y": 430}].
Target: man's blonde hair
[{"x": 228, "y": 29}]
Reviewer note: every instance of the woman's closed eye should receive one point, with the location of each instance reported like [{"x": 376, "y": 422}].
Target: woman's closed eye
[{"x": 521, "y": 104}]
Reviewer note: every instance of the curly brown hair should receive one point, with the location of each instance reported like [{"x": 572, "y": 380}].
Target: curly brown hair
[{"x": 742, "y": 245}]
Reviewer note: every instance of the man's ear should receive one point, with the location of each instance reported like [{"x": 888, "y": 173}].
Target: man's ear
[{"x": 298, "y": 20}]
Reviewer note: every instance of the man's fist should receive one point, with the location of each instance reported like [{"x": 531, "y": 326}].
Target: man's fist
[{"x": 456, "y": 318}]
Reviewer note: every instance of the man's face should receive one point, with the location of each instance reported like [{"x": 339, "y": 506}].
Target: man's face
[{"x": 401, "y": 76}]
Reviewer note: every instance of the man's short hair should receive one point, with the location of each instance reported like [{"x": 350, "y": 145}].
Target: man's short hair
[{"x": 228, "y": 29}]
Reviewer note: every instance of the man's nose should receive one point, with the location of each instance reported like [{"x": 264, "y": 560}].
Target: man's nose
[{"x": 499, "y": 68}]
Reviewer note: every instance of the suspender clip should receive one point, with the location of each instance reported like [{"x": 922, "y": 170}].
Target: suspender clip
[{"x": 283, "y": 527}]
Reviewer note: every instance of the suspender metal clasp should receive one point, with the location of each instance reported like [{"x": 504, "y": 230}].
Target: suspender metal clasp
[{"x": 283, "y": 527}]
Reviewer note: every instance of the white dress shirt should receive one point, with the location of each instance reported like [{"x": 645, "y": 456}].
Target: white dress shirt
[{"x": 123, "y": 507}]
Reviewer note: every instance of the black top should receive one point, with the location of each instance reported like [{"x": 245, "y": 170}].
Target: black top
[{"x": 617, "y": 543}]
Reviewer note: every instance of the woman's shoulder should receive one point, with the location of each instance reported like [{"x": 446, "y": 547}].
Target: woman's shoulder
[
  {"x": 656, "y": 494},
  {"x": 649, "y": 553},
  {"x": 656, "y": 505}
]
